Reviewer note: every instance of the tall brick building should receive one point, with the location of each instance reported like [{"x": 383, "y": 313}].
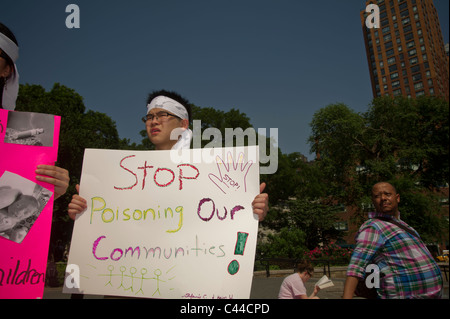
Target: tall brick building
[{"x": 406, "y": 53}]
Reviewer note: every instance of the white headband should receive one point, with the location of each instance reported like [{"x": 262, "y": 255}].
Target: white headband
[
  {"x": 170, "y": 105},
  {"x": 10, "y": 48}
]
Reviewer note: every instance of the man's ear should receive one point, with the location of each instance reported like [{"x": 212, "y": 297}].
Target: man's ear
[
  {"x": 6, "y": 72},
  {"x": 185, "y": 124}
]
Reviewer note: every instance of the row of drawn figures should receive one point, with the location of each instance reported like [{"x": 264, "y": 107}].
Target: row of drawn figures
[{"x": 134, "y": 281}]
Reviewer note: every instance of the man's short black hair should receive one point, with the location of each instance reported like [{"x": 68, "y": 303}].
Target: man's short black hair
[{"x": 174, "y": 96}]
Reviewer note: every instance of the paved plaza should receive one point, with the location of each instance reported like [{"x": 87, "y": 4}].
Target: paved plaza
[{"x": 262, "y": 288}]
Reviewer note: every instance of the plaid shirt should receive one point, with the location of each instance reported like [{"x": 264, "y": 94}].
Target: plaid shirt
[{"x": 407, "y": 268}]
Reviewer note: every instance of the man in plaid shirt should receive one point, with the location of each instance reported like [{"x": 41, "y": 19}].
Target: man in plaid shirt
[{"x": 407, "y": 269}]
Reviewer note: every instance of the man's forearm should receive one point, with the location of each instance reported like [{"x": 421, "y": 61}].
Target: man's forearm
[{"x": 350, "y": 287}]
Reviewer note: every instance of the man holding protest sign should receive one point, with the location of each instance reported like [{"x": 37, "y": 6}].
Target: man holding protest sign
[
  {"x": 156, "y": 212},
  {"x": 167, "y": 112}
]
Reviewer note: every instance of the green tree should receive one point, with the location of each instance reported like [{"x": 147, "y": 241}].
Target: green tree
[
  {"x": 221, "y": 120},
  {"x": 412, "y": 134},
  {"x": 316, "y": 220},
  {"x": 287, "y": 243},
  {"x": 287, "y": 179}
]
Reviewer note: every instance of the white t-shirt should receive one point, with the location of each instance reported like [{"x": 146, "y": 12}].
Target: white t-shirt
[{"x": 292, "y": 287}]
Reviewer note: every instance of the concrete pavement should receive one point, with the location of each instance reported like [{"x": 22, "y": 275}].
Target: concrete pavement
[
  {"x": 262, "y": 288},
  {"x": 268, "y": 288}
]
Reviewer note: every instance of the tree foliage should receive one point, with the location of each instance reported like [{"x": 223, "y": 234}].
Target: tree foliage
[
  {"x": 221, "y": 120},
  {"x": 315, "y": 219},
  {"x": 287, "y": 243}
]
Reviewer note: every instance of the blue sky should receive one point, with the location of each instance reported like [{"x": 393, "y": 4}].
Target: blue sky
[{"x": 277, "y": 61}]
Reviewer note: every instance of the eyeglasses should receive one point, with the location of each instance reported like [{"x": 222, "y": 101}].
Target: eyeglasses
[{"x": 163, "y": 116}]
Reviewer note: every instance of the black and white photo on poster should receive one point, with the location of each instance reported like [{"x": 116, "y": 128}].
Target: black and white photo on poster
[
  {"x": 21, "y": 202},
  {"x": 30, "y": 129}
]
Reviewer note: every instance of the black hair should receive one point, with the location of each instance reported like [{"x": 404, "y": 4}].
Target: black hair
[
  {"x": 174, "y": 96},
  {"x": 6, "y": 31}
]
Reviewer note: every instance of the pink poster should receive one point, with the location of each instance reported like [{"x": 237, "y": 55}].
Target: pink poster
[{"x": 26, "y": 141}]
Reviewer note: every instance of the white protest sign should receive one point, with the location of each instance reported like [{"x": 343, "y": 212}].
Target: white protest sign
[{"x": 158, "y": 228}]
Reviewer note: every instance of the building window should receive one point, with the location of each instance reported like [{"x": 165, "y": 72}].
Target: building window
[
  {"x": 409, "y": 36},
  {"x": 415, "y": 69},
  {"x": 403, "y": 6},
  {"x": 417, "y": 77},
  {"x": 410, "y": 44},
  {"x": 343, "y": 226}
]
